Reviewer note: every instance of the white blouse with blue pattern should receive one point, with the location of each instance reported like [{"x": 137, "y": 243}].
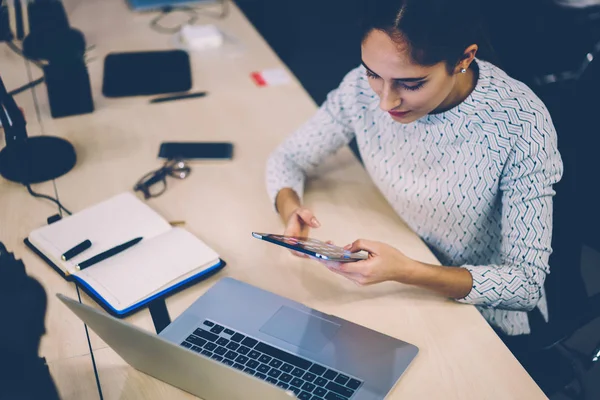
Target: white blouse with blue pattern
[{"x": 474, "y": 182}]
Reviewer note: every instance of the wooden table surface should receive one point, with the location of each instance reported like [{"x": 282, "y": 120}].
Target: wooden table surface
[{"x": 223, "y": 202}]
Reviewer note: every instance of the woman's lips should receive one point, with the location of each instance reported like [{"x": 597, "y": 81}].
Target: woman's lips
[{"x": 398, "y": 114}]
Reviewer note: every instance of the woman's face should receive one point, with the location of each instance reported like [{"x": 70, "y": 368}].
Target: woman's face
[{"x": 406, "y": 90}]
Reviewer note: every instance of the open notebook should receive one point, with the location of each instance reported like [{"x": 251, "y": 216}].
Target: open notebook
[{"x": 166, "y": 258}]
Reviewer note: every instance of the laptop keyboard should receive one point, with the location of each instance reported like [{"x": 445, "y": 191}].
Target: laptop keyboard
[{"x": 308, "y": 380}]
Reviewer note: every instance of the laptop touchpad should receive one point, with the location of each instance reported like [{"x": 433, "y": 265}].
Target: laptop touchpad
[{"x": 300, "y": 329}]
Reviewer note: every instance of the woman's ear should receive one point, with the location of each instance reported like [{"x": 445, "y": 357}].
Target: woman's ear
[{"x": 467, "y": 58}]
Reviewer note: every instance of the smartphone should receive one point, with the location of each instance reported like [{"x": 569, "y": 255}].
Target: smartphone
[
  {"x": 196, "y": 150},
  {"x": 312, "y": 247}
]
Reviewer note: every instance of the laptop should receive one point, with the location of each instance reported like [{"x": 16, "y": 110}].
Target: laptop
[
  {"x": 237, "y": 339},
  {"x": 155, "y": 5}
]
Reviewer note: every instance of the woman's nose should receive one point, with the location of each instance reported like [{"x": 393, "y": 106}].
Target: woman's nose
[{"x": 389, "y": 99}]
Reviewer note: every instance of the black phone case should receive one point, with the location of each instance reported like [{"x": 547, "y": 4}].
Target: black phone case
[
  {"x": 196, "y": 150},
  {"x": 146, "y": 73}
]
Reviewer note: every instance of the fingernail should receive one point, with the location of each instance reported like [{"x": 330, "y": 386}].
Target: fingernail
[
  {"x": 347, "y": 247},
  {"x": 315, "y": 222}
]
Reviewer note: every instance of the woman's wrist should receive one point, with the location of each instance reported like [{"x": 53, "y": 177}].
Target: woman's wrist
[
  {"x": 450, "y": 281},
  {"x": 287, "y": 202},
  {"x": 414, "y": 273}
]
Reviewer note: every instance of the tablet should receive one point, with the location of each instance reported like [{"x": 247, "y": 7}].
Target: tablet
[
  {"x": 146, "y": 73},
  {"x": 312, "y": 247}
]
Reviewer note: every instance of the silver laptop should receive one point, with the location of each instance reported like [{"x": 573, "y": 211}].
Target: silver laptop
[
  {"x": 237, "y": 339},
  {"x": 153, "y": 5}
]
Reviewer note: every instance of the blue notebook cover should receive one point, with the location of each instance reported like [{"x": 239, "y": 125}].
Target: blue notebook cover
[
  {"x": 206, "y": 273},
  {"x": 158, "y": 296},
  {"x": 166, "y": 260}
]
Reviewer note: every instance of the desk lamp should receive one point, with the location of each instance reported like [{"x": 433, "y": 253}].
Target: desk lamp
[{"x": 30, "y": 159}]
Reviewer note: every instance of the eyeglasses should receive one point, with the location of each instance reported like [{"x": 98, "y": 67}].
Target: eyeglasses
[{"x": 154, "y": 183}]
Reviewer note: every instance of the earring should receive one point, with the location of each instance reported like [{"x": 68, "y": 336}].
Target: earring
[{"x": 462, "y": 71}]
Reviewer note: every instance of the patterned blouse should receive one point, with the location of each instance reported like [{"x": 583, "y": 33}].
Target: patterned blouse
[{"x": 474, "y": 182}]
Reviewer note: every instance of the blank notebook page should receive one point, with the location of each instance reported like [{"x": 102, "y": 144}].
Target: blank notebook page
[
  {"x": 106, "y": 224},
  {"x": 145, "y": 268}
]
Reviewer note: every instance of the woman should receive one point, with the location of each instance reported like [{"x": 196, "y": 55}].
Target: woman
[{"x": 466, "y": 155}]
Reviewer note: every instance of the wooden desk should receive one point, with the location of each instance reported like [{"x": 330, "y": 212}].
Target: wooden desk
[{"x": 223, "y": 202}]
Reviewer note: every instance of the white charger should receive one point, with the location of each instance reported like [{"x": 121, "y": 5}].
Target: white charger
[{"x": 200, "y": 37}]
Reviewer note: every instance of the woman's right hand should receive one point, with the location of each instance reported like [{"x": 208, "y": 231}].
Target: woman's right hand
[{"x": 299, "y": 223}]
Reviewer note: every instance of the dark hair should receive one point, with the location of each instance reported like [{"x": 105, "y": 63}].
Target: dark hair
[{"x": 433, "y": 30}]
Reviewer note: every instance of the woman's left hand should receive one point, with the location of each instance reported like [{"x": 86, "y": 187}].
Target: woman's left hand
[{"x": 384, "y": 263}]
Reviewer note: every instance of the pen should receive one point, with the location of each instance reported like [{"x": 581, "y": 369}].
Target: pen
[
  {"x": 178, "y": 97},
  {"x": 80, "y": 248},
  {"x": 106, "y": 254}
]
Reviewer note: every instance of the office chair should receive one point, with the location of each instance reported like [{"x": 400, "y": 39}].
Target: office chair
[
  {"x": 569, "y": 306},
  {"x": 570, "y": 97}
]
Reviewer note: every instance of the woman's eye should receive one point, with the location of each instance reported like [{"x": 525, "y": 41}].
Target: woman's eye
[
  {"x": 413, "y": 87},
  {"x": 372, "y": 75}
]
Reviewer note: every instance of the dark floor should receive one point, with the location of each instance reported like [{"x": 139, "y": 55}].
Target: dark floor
[
  {"x": 304, "y": 33},
  {"x": 319, "y": 40},
  {"x": 586, "y": 339}
]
